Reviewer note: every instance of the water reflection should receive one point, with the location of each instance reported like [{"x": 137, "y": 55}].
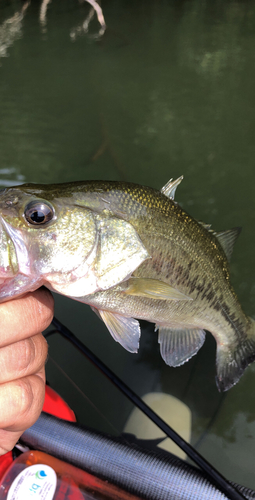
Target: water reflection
[
  {"x": 11, "y": 30},
  {"x": 43, "y": 12},
  {"x": 13, "y": 177},
  {"x": 83, "y": 28}
]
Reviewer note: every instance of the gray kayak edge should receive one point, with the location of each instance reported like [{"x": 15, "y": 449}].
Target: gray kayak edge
[{"x": 150, "y": 474}]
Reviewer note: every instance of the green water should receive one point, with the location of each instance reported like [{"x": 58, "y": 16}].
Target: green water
[{"x": 167, "y": 90}]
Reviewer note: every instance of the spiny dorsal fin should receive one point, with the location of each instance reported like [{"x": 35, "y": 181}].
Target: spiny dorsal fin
[
  {"x": 206, "y": 226},
  {"x": 170, "y": 187},
  {"x": 227, "y": 240}
]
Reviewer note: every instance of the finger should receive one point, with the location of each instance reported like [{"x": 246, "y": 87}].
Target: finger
[
  {"x": 8, "y": 440},
  {"x": 23, "y": 358},
  {"x": 25, "y": 316},
  {"x": 21, "y": 403}
]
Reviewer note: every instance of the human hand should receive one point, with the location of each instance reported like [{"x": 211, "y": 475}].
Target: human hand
[{"x": 23, "y": 352}]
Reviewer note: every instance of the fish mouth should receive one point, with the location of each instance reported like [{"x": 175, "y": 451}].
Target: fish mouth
[{"x": 8, "y": 256}]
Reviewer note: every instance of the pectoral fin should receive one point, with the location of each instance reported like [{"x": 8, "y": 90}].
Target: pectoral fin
[
  {"x": 153, "y": 289},
  {"x": 178, "y": 346},
  {"x": 124, "y": 330}
]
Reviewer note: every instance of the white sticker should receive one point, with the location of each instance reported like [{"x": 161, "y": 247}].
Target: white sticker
[{"x": 37, "y": 481}]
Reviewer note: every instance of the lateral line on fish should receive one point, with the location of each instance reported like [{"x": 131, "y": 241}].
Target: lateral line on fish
[{"x": 239, "y": 335}]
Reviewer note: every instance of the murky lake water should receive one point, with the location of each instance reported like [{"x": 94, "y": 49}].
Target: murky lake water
[{"x": 167, "y": 90}]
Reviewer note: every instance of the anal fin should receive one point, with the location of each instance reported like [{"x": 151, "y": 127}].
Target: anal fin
[
  {"x": 178, "y": 345},
  {"x": 124, "y": 330}
]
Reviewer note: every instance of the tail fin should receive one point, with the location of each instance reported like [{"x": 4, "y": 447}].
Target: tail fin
[{"x": 231, "y": 360}]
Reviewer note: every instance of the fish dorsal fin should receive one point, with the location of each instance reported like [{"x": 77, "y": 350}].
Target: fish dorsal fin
[
  {"x": 124, "y": 330},
  {"x": 227, "y": 240},
  {"x": 170, "y": 187},
  {"x": 206, "y": 226},
  {"x": 153, "y": 289},
  {"x": 178, "y": 345}
]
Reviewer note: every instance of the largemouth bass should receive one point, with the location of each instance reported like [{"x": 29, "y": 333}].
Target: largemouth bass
[{"x": 130, "y": 252}]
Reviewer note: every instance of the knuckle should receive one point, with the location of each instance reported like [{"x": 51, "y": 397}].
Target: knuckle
[
  {"x": 38, "y": 311},
  {"x": 21, "y": 403},
  {"x": 30, "y": 355},
  {"x": 25, "y": 355},
  {"x": 43, "y": 309},
  {"x": 25, "y": 316},
  {"x": 18, "y": 397},
  {"x": 28, "y": 400},
  {"x": 39, "y": 351},
  {"x": 24, "y": 396}
]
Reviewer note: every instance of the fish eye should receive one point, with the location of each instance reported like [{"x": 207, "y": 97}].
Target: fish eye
[{"x": 38, "y": 213}]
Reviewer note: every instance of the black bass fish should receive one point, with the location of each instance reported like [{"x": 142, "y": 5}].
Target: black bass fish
[{"x": 130, "y": 252}]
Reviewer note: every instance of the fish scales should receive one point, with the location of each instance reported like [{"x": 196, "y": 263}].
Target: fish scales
[
  {"x": 164, "y": 266},
  {"x": 183, "y": 243}
]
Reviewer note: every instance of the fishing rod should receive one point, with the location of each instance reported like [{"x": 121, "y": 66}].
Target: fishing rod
[{"x": 215, "y": 476}]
